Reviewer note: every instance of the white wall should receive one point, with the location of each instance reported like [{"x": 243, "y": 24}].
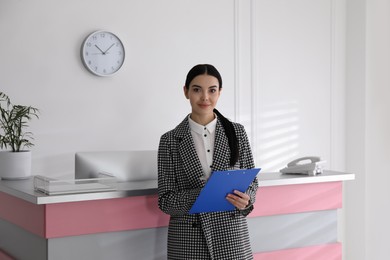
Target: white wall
[
  {"x": 297, "y": 83},
  {"x": 377, "y": 128},
  {"x": 40, "y": 65},
  {"x": 278, "y": 59},
  {"x": 355, "y": 194},
  {"x": 368, "y": 126}
]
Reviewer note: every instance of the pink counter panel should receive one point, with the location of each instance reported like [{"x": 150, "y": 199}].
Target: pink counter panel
[
  {"x": 290, "y": 221},
  {"x": 322, "y": 252}
]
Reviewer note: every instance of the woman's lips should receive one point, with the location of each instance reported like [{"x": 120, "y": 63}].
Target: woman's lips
[{"x": 204, "y": 105}]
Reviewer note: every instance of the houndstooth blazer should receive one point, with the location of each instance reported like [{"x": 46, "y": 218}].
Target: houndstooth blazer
[{"x": 216, "y": 235}]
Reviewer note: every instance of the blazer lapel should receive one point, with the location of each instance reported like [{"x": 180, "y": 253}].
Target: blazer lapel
[{"x": 191, "y": 164}]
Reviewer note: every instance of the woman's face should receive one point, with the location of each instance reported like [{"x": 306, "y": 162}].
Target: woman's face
[{"x": 203, "y": 94}]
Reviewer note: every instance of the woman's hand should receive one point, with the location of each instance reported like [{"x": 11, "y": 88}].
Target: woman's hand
[{"x": 239, "y": 199}]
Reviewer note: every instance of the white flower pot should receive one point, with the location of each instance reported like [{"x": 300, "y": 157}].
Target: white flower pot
[{"x": 15, "y": 165}]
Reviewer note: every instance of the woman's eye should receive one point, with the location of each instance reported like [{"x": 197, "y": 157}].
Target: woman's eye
[
  {"x": 196, "y": 90},
  {"x": 213, "y": 90}
]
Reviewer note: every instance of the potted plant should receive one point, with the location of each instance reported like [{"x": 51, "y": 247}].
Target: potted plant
[{"x": 15, "y": 162}]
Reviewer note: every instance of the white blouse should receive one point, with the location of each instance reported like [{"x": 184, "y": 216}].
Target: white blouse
[{"x": 204, "y": 138}]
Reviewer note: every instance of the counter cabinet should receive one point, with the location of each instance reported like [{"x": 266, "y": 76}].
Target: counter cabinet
[{"x": 294, "y": 217}]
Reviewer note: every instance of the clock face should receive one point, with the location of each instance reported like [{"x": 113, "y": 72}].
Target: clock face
[{"x": 102, "y": 53}]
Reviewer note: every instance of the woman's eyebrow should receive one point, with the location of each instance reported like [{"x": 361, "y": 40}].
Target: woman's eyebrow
[{"x": 197, "y": 86}]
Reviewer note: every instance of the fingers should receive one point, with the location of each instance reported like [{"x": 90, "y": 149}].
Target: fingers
[{"x": 239, "y": 199}]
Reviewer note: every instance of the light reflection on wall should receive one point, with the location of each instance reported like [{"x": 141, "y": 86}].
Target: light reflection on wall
[{"x": 277, "y": 135}]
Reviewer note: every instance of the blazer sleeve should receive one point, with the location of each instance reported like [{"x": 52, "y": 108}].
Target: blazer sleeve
[
  {"x": 173, "y": 199},
  {"x": 247, "y": 162}
]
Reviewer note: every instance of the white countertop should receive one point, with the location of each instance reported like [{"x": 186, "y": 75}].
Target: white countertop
[
  {"x": 277, "y": 179},
  {"x": 24, "y": 189}
]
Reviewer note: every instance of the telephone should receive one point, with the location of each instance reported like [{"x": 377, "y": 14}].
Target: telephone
[{"x": 309, "y": 165}]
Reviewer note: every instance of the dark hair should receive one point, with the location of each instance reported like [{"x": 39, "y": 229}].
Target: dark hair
[{"x": 202, "y": 69}]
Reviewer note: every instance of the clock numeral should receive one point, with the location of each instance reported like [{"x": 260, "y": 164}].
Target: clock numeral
[
  {"x": 89, "y": 44},
  {"x": 112, "y": 68},
  {"x": 102, "y": 35},
  {"x": 104, "y": 71},
  {"x": 86, "y": 53},
  {"x": 89, "y": 62},
  {"x": 94, "y": 37},
  {"x": 96, "y": 68}
]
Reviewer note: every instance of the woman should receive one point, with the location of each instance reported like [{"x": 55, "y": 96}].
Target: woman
[{"x": 203, "y": 142}]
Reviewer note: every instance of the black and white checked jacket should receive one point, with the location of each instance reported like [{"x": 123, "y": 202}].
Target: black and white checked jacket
[{"x": 217, "y": 235}]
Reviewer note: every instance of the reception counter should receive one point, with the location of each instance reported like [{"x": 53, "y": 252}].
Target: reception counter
[{"x": 295, "y": 217}]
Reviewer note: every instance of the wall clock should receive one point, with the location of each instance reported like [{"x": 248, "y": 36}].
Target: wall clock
[{"x": 102, "y": 53}]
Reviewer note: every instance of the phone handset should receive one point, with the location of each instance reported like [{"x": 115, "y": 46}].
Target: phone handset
[
  {"x": 308, "y": 165},
  {"x": 313, "y": 159}
]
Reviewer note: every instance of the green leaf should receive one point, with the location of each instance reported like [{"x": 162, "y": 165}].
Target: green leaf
[{"x": 13, "y": 120}]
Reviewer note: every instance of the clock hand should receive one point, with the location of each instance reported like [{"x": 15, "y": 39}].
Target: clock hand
[
  {"x": 100, "y": 49},
  {"x": 109, "y": 48}
]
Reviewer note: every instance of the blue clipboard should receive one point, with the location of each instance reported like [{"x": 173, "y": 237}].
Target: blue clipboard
[{"x": 213, "y": 195}]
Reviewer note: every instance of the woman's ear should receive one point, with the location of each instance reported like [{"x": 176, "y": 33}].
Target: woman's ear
[{"x": 185, "y": 92}]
